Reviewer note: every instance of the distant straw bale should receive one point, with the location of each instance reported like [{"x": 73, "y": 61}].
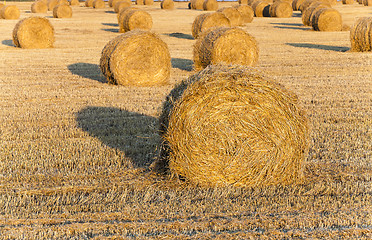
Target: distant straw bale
[
  {"x": 9, "y": 12},
  {"x": 136, "y": 19},
  {"x": 348, "y": 2},
  {"x": 259, "y": 6},
  {"x": 139, "y": 2},
  {"x": 112, "y": 3},
  {"x": 229, "y": 125},
  {"x": 281, "y": 10},
  {"x": 361, "y": 35},
  {"x": 307, "y": 14},
  {"x": 167, "y": 4},
  {"x": 197, "y": 4},
  {"x": 305, "y": 4},
  {"x": 243, "y": 2},
  {"x": 121, "y": 15},
  {"x": 367, "y": 2},
  {"x": 33, "y": 32},
  {"x": 226, "y": 46},
  {"x": 89, "y": 3},
  {"x": 39, "y": 7},
  {"x": 52, "y": 3},
  {"x": 136, "y": 58},
  {"x": 233, "y": 15},
  {"x": 74, "y": 3},
  {"x": 296, "y": 4},
  {"x": 327, "y": 19},
  {"x": 208, "y": 20},
  {"x": 210, "y": 5},
  {"x": 98, "y": 4},
  {"x": 62, "y": 11},
  {"x": 148, "y": 2},
  {"x": 246, "y": 13},
  {"x": 122, "y": 4}
]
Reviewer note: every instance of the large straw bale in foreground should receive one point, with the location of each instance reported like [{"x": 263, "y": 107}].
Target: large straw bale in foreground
[
  {"x": 226, "y": 46},
  {"x": 246, "y": 13},
  {"x": 9, "y": 12},
  {"x": 233, "y": 15},
  {"x": 167, "y": 4},
  {"x": 135, "y": 19},
  {"x": 136, "y": 58},
  {"x": 206, "y": 21},
  {"x": 228, "y": 125},
  {"x": 33, "y": 32},
  {"x": 62, "y": 11},
  {"x": 361, "y": 35},
  {"x": 327, "y": 19},
  {"x": 39, "y": 7},
  {"x": 281, "y": 10}
]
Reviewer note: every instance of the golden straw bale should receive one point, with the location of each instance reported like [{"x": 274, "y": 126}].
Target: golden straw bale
[
  {"x": 167, "y": 4},
  {"x": 51, "y": 4},
  {"x": 197, "y": 4},
  {"x": 296, "y": 4},
  {"x": 10, "y": 12},
  {"x": 148, "y": 2},
  {"x": 367, "y": 2},
  {"x": 44, "y": 1},
  {"x": 281, "y": 10},
  {"x": 122, "y": 4},
  {"x": 229, "y": 125},
  {"x": 258, "y": 8},
  {"x": 98, "y": 4},
  {"x": 136, "y": 19},
  {"x": 208, "y": 20},
  {"x": 62, "y": 11},
  {"x": 348, "y": 2},
  {"x": 112, "y": 3},
  {"x": 225, "y": 45},
  {"x": 89, "y": 3},
  {"x": 39, "y": 7},
  {"x": 139, "y": 2},
  {"x": 122, "y": 13},
  {"x": 305, "y": 4},
  {"x": 33, "y": 32},
  {"x": 74, "y": 3},
  {"x": 136, "y": 58},
  {"x": 361, "y": 35},
  {"x": 327, "y": 19},
  {"x": 210, "y": 5},
  {"x": 307, "y": 14},
  {"x": 246, "y": 13},
  {"x": 233, "y": 15},
  {"x": 243, "y": 2},
  {"x": 1, "y": 6}
]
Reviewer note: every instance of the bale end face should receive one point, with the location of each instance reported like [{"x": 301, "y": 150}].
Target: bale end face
[
  {"x": 227, "y": 125},
  {"x": 327, "y": 19},
  {"x": 361, "y": 35},
  {"x": 62, "y": 11},
  {"x": 10, "y": 12}
]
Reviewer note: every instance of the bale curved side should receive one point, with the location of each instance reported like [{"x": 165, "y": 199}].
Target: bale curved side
[
  {"x": 89, "y": 3},
  {"x": 327, "y": 19},
  {"x": 98, "y": 4},
  {"x": 210, "y": 5},
  {"x": 62, "y": 11},
  {"x": 361, "y": 35},
  {"x": 228, "y": 125},
  {"x": 233, "y": 15},
  {"x": 281, "y": 10},
  {"x": 137, "y": 19},
  {"x": 208, "y": 20},
  {"x": 39, "y": 7},
  {"x": 246, "y": 12},
  {"x": 10, "y": 12},
  {"x": 122, "y": 4},
  {"x": 167, "y": 4}
]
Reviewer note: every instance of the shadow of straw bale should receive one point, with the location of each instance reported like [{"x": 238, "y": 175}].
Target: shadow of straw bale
[
  {"x": 114, "y": 30},
  {"x": 319, "y": 46},
  {"x": 180, "y": 35},
  {"x": 111, "y": 24},
  {"x": 183, "y": 64},
  {"x": 136, "y": 135},
  {"x": 289, "y": 24},
  {"x": 87, "y": 70},
  {"x": 8, "y": 43}
]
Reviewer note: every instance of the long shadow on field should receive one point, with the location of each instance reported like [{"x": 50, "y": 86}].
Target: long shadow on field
[
  {"x": 111, "y": 24},
  {"x": 8, "y": 43},
  {"x": 289, "y": 24},
  {"x": 87, "y": 70},
  {"x": 180, "y": 35},
  {"x": 136, "y": 135},
  {"x": 114, "y": 30},
  {"x": 293, "y": 28},
  {"x": 181, "y": 63},
  {"x": 319, "y": 46}
]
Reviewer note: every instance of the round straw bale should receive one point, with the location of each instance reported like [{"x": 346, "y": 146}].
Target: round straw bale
[
  {"x": 233, "y": 15},
  {"x": 227, "y": 46},
  {"x": 348, "y": 2},
  {"x": 1, "y": 6},
  {"x": 122, "y": 4},
  {"x": 229, "y": 125},
  {"x": 327, "y": 19},
  {"x": 246, "y": 13},
  {"x": 74, "y": 3},
  {"x": 89, "y": 3},
  {"x": 305, "y": 4},
  {"x": 258, "y": 8},
  {"x": 136, "y": 58},
  {"x": 281, "y": 10},
  {"x": 167, "y": 4},
  {"x": 367, "y": 2},
  {"x": 33, "y": 32},
  {"x": 208, "y": 20},
  {"x": 112, "y": 3},
  {"x": 51, "y": 4},
  {"x": 197, "y": 4},
  {"x": 210, "y": 5},
  {"x": 361, "y": 35},
  {"x": 44, "y": 1},
  {"x": 148, "y": 2},
  {"x": 243, "y": 2},
  {"x": 122, "y": 13},
  {"x": 10, "y": 12},
  {"x": 296, "y": 4},
  {"x": 98, "y": 4},
  {"x": 250, "y": 2},
  {"x": 307, "y": 14},
  {"x": 139, "y": 2},
  {"x": 39, "y": 7},
  {"x": 137, "y": 19},
  {"x": 62, "y": 11}
]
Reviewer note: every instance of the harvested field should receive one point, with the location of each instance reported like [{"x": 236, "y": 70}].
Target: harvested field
[{"x": 75, "y": 151}]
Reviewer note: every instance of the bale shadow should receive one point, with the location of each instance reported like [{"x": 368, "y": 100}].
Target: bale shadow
[
  {"x": 289, "y": 24},
  {"x": 110, "y": 11},
  {"x": 8, "y": 43},
  {"x": 114, "y": 30},
  {"x": 180, "y": 35},
  {"x": 87, "y": 70},
  {"x": 319, "y": 46},
  {"x": 303, "y": 28},
  {"x": 110, "y": 24},
  {"x": 183, "y": 64},
  {"x": 135, "y": 134}
]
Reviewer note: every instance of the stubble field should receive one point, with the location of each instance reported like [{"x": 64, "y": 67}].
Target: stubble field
[{"x": 75, "y": 151}]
